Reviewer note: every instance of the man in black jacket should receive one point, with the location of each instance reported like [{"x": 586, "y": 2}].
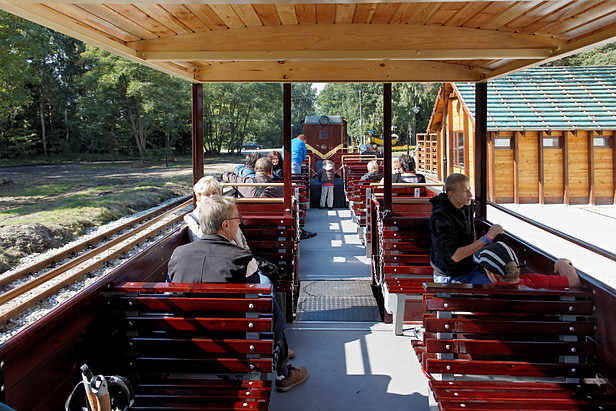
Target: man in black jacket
[
  {"x": 453, "y": 234},
  {"x": 214, "y": 259}
]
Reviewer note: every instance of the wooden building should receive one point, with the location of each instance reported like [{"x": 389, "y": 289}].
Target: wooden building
[{"x": 551, "y": 135}]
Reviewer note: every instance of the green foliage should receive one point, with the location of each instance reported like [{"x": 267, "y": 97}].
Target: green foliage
[
  {"x": 344, "y": 100},
  {"x": 599, "y": 56}
]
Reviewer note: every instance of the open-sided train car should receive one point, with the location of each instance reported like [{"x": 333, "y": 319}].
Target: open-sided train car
[{"x": 424, "y": 41}]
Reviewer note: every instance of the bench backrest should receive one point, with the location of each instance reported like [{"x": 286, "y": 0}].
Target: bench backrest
[
  {"x": 514, "y": 331},
  {"x": 182, "y": 329}
]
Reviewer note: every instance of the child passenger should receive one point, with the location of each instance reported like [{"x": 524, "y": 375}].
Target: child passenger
[
  {"x": 327, "y": 176},
  {"x": 502, "y": 267}
]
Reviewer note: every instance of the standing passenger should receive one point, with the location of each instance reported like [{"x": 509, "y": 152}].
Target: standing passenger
[
  {"x": 298, "y": 153},
  {"x": 327, "y": 176},
  {"x": 453, "y": 234}
]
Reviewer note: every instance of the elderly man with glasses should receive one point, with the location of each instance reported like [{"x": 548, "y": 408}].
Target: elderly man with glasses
[{"x": 214, "y": 258}]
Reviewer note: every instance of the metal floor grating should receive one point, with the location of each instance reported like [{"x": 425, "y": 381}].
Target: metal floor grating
[{"x": 337, "y": 301}]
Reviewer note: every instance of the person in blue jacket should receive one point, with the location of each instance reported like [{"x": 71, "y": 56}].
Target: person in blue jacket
[{"x": 298, "y": 153}]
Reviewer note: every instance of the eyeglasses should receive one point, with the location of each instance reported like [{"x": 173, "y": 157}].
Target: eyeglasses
[{"x": 239, "y": 217}]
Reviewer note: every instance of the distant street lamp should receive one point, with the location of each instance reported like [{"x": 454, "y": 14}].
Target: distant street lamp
[{"x": 415, "y": 111}]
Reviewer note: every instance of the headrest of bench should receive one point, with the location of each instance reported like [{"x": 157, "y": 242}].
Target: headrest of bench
[{"x": 218, "y": 288}]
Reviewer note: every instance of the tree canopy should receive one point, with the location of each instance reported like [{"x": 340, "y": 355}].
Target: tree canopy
[{"x": 60, "y": 97}]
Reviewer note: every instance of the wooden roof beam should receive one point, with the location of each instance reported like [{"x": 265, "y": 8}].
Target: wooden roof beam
[
  {"x": 331, "y": 72},
  {"x": 325, "y": 55},
  {"x": 340, "y": 38}
]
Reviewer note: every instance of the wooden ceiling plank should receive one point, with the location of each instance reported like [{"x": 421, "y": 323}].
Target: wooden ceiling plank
[
  {"x": 513, "y": 12},
  {"x": 267, "y": 13},
  {"x": 592, "y": 27},
  {"x": 163, "y": 17},
  {"x": 351, "y": 37},
  {"x": 441, "y": 16},
  {"x": 119, "y": 20},
  {"x": 464, "y": 14},
  {"x": 383, "y": 13},
  {"x": 489, "y": 13},
  {"x": 364, "y": 13},
  {"x": 306, "y": 13},
  {"x": 362, "y": 71},
  {"x": 326, "y": 13},
  {"x": 424, "y": 12},
  {"x": 579, "y": 18},
  {"x": 205, "y": 13},
  {"x": 537, "y": 13},
  {"x": 402, "y": 14},
  {"x": 186, "y": 17},
  {"x": 94, "y": 21},
  {"x": 248, "y": 14},
  {"x": 226, "y": 13},
  {"x": 345, "y": 13},
  {"x": 548, "y": 19},
  {"x": 141, "y": 18},
  {"x": 286, "y": 13}
]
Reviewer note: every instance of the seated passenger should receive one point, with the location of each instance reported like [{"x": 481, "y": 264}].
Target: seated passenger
[
  {"x": 277, "y": 165},
  {"x": 373, "y": 171},
  {"x": 215, "y": 259},
  {"x": 502, "y": 267},
  {"x": 452, "y": 229},
  {"x": 395, "y": 167},
  {"x": 263, "y": 174},
  {"x": 247, "y": 169},
  {"x": 206, "y": 187},
  {"x": 407, "y": 171}
]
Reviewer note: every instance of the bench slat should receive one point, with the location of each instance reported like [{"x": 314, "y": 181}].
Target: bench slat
[
  {"x": 166, "y": 303},
  {"x": 508, "y": 327},
  {"x": 512, "y": 368},
  {"x": 499, "y": 347},
  {"x": 501, "y": 289},
  {"x": 509, "y": 305},
  {"x": 201, "y": 365},
  {"x": 200, "y": 324},
  {"x": 209, "y": 345},
  {"x": 223, "y": 288}
]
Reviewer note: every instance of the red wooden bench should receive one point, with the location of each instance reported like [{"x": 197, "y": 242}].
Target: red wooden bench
[
  {"x": 511, "y": 348},
  {"x": 195, "y": 346}
]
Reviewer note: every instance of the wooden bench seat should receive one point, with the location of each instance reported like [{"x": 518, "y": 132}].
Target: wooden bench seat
[
  {"x": 511, "y": 347},
  {"x": 195, "y": 346}
]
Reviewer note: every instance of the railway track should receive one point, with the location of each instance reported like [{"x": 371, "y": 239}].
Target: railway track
[{"x": 25, "y": 288}]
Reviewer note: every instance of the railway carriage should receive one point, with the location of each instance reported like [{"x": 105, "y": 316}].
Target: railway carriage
[{"x": 423, "y": 41}]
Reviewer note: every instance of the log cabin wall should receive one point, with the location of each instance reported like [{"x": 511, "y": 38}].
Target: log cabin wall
[{"x": 546, "y": 166}]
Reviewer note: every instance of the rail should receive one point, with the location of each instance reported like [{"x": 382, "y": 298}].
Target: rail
[
  {"x": 597, "y": 250},
  {"x": 32, "y": 290}
]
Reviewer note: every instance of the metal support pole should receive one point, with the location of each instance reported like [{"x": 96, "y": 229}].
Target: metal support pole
[
  {"x": 481, "y": 148},
  {"x": 387, "y": 146},
  {"x": 197, "y": 132},
  {"x": 286, "y": 127}
]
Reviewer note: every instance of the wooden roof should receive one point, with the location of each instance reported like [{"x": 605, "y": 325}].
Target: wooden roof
[{"x": 339, "y": 41}]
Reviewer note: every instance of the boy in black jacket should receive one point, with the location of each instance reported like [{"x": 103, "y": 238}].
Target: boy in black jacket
[{"x": 453, "y": 234}]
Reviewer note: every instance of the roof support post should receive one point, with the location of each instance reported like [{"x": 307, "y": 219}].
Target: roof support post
[
  {"x": 565, "y": 160},
  {"x": 540, "y": 166},
  {"x": 286, "y": 130},
  {"x": 481, "y": 148},
  {"x": 387, "y": 146},
  {"x": 197, "y": 132},
  {"x": 591, "y": 167},
  {"x": 516, "y": 167}
]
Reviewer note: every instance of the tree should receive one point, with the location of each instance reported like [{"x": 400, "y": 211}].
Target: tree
[
  {"x": 599, "y": 56},
  {"x": 303, "y": 98}
]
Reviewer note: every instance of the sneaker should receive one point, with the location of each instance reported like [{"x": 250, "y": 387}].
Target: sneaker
[
  {"x": 296, "y": 377},
  {"x": 291, "y": 353},
  {"x": 307, "y": 234}
]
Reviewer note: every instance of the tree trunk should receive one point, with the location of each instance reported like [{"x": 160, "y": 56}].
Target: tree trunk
[{"x": 42, "y": 114}]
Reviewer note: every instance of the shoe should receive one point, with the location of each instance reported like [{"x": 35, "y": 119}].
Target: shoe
[
  {"x": 306, "y": 235},
  {"x": 296, "y": 377},
  {"x": 291, "y": 353},
  {"x": 331, "y": 208}
]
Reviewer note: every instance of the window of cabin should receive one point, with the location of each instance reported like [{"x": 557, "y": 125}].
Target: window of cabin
[
  {"x": 552, "y": 142},
  {"x": 601, "y": 142},
  {"x": 458, "y": 149},
  {"x": 323, "y": 134},
  {"x": 502, "y": 143}
]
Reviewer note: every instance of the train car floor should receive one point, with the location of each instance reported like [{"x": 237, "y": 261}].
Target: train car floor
[{"x": 354, "y": 361}]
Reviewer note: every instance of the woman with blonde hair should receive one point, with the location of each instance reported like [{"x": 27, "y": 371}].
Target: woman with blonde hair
[{"x": 207, "y": 187}]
